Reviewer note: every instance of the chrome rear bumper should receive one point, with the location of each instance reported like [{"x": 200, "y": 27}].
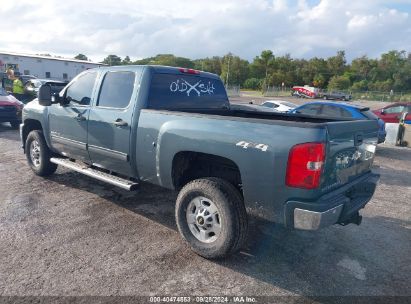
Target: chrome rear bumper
[{"x": 311, "y": 220}]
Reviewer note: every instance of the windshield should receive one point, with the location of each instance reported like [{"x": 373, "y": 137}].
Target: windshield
[{"x": 37, "y": 83}]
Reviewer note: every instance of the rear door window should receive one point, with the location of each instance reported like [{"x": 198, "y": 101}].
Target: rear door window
[
  {"x": 309, "y": 110},
  {"x": 116, "y": 89},
  {"x": 345, "y": 113},
  {"x": 270, "y": 105},
  {"x": 331, "y": 111},
  {"x": 175, "y": 91}
]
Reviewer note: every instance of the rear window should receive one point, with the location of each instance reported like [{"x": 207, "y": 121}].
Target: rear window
[
  {"x": 369, "y": 115},
  {"x": 174, "y": 91}
]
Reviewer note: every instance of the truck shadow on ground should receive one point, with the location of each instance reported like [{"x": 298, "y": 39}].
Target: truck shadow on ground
[
  {"x": 390, "y": 152},
  {"x": 390, "y": 177},
  {"x": 6, "y": 129},
  {"x": 334, "y": 261}
]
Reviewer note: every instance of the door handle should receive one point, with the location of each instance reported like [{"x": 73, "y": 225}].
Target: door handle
[
  {"x": 120, "y": 123},
  {"x": 79, "y": 117}
]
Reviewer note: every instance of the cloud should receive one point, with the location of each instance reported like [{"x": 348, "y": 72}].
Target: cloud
[{"x": 197, "y": 29}]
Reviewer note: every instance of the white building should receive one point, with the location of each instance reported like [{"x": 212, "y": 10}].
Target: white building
[{"x": 44, "y": 66}]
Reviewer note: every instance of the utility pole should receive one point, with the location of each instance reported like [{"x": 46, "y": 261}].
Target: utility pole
[{"x": 228, "y": 71}]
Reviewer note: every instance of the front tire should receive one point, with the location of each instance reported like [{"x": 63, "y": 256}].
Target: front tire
[
  {"x": 211, "y": 217},
  {"x": 38, "y": 154}
]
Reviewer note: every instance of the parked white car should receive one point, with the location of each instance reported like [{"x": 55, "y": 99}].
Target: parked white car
[{"x": 279, "y": 105}]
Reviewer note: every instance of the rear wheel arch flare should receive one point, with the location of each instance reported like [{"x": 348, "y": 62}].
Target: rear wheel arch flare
[{"x": 189, "y": 165}]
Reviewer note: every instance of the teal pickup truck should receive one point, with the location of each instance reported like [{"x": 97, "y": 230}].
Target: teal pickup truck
[{"x": 174, "y": 127}]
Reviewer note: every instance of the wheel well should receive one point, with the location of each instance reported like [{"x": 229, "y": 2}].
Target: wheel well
[
  {"x": 30, "y": 125},
  {"x": 188, "y": 166}
]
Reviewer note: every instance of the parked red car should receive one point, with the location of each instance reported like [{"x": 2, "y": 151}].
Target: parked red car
[
  {"x": 10, "y": 109},
  {"x": 393, "y": 112}
]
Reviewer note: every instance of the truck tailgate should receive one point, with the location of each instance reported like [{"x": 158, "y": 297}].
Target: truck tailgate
[{"x": 350, "y": 151}]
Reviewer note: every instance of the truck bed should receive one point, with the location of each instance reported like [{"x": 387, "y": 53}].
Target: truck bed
[{"x": 256, "y": 115}]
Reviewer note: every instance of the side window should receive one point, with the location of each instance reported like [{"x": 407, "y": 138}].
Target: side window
[
  {"x": 270, "y": 105},
  {"x": 345, "y": 113},
  {"x": 79, "y": 92},
  {"x": 331, "y": 111},
  {"x": 309, "y": 110},
  {"x": 116, "y": 90},
  {"x": 395, "y": 109}
]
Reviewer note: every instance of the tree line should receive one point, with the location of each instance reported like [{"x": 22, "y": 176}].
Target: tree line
[{"x": 392, "y": 71}]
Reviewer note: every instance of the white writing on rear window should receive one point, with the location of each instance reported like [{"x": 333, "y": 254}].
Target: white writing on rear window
[{"x": 199, "y": 88}]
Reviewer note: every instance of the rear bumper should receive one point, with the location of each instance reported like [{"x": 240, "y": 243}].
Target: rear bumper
[{"x": 336, "y": 207}]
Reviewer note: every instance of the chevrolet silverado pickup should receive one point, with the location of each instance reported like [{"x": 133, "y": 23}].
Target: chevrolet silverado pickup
[{"x": 174, "y": 127}]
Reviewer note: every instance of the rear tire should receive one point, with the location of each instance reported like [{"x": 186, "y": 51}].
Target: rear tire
[
  {"x": 207, "y": 235},
  {"x": 38, "y": 154}
]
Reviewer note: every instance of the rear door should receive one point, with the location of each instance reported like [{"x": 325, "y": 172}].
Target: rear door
[
  {"x": 110, "y": 122},
  {"x": 350, "y": 151}
]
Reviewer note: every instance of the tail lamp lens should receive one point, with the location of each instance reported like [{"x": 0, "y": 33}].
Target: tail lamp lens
[{"x": 305, "y": 163}]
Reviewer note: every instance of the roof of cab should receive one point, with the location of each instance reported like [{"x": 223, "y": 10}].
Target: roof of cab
[{"x": 161, "y": 69}]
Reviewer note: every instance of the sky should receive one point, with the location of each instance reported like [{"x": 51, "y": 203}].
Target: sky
[{"x": 198, "y": 29}]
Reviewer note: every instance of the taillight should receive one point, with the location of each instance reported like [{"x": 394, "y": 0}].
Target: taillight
[
  {"x": 305, "y": 163},
  {"x": 189, "y": 71}
]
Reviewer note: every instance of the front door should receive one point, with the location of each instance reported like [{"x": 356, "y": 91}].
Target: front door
[
  {"x": 69, "y": 120},
  {"x": 110, "y": 122}
]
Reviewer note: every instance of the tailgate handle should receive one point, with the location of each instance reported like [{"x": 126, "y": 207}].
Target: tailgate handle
[{"x": 358, "y": 140}]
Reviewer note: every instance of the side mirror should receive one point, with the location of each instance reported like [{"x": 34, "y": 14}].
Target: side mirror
[
  {"x": 382, "y": 111},
  {"x": 44, "y": 95}
]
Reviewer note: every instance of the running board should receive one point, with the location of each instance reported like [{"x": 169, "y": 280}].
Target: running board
[{"x": 102, "y": 176}]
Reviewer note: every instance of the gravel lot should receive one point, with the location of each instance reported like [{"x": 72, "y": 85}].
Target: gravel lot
[{"x": 71, "y": 235}]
